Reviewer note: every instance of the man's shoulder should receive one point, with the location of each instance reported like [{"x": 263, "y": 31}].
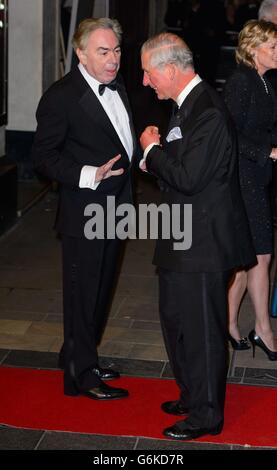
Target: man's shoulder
[
  {"x": 72, "y": 83},
  {"x": 60, "y": 86},
  {"x": 208, "y": 106},
  {"x": 208, "y": 99},
  {"x": 63, "y": 90}
]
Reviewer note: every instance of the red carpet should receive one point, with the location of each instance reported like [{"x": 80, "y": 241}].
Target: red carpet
[{"x": 31, "y": 398}]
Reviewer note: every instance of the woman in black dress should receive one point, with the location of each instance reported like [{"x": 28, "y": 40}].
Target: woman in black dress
[{"x": 253, "y": 106}]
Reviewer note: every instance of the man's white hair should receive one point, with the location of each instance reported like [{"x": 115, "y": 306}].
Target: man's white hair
[
  {"x": 168, "y": 48},
  {"x": 266, "y": 9}
]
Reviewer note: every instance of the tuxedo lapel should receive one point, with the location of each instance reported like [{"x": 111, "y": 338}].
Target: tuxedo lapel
[
  {"x": 95, "y": 111},
  {"x": 179, "y": 117},
  {"x": 188, "y": 103},
  {"x": 93, "y": 108}
]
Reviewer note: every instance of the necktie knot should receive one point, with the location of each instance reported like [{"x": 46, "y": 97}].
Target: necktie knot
[{"x": 112, "y": 86}]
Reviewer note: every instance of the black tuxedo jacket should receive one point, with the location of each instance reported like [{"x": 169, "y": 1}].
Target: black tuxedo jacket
[
  {"x": 73, "y": 131},
  {"x": 201, "y": 169}
]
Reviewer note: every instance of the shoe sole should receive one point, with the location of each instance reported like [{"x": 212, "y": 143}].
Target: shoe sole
[
  {"x": 88, "y": 395},
  {"x": 108, "y": 378},
  {"x": 211, "y": 433},
  {"x": 192, "y": 438}
]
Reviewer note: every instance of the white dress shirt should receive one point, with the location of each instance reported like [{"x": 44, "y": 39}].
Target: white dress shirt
[
  {"x": 116, "y": 111},
  {"x": 179, "y": 100}
]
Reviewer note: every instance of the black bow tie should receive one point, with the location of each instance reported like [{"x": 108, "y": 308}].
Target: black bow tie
[{"x": 112, "y": 86}]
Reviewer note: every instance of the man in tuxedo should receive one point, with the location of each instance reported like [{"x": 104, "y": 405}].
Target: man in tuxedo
[
  {"x": 85, "y": 141},
  {"x": 195, "y": 165}
]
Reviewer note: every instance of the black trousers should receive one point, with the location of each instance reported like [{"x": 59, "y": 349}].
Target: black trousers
[
  {"x": 89, "y": 269},
  {"x": 193, "y": 311}
]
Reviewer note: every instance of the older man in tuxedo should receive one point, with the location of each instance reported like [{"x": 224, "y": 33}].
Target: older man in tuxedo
[
  {"x": 196, "y": 165},
  {"x": 85, "y": 141}
]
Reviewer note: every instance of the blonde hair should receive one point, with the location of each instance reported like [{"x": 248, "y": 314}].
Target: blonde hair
[
  {"x": 254, "y": 33},
  {"x": 87, "y": 26}
]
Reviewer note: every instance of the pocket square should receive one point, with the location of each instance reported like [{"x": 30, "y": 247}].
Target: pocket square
[{"x": 174, "y": 134}]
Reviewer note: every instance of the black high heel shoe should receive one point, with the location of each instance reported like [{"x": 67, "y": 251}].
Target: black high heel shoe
[
  {"x": 240, "y": 345},
  {"x": 257, "y": 341}
]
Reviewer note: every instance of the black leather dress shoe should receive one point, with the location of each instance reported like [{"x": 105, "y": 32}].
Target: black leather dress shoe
[
  {"x": 174, "y": 407},
  {"x": 186, "y": 433},
  {"x": 102, "y": 373},
  {"x": 102, "y": 392},
  {"x": 106, "y": 374}
]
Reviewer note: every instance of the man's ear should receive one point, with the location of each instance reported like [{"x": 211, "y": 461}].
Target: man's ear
[
  {"x": 171, "y": 71},
  {"x": 81, "y": 56}
]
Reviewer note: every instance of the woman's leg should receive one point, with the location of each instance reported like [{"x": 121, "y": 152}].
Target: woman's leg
[
  {"x": 236, "y": 291},
  {"x": 258, "y": 288}
]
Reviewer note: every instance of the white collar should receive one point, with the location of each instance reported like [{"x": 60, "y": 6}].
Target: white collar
[
  {"x": 184, "y": 93},
  {"x": 93, "y": 83}
]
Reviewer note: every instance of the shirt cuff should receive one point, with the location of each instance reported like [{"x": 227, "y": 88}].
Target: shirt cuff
[
  {"x": 147, "y": 150},
  {"x": 145, "y": 153},
  {"x": 87, "y": 177}
]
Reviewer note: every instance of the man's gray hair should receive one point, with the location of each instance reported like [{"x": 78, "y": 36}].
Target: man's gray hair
[
  {"x": 265, "y": 11},
  {"x": 87, "y": 26},
  {"x": 168, "y": 48}
]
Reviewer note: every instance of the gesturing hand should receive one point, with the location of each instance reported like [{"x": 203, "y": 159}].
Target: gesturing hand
[
  {"x": 105, "y": 171},
  {"x": 149, "y": 136}
]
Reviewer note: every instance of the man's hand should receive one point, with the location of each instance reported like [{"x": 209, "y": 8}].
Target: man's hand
[
  {"x": 149, "y": 136},
  {"x": 105, "y": 171}
]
